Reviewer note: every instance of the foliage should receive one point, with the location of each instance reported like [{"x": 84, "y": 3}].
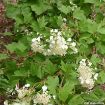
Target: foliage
[{"x": 81, "y": 20}]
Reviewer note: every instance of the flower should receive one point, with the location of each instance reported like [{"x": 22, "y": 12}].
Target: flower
[
  {"x": 22, "y": 92},
  {"x": 44, "y": 88},
  {"x": 64, "y": 19},
  {"x": 6, "y": 102},
  {"x": 43, "y": 98},
  {"x": 54, "y": 97},
  {"x": 55, "y": 45},
  {"x": 69, "y": 39},
  {"x": 86, "y": 74},
  {"x": 36, "y": 45},
  {"x": 26, "y": 85},
  {"x": 73, "y": 44},
  {"x": 96, "y": 76}
]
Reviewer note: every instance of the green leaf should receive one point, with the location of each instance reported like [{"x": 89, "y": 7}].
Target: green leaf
[
  {"x": 95, "y": 60},
  {"x": 101, "y": 30},
  {"x": 8, "y": 33},
  {"x": 34, "y": 69},
  {"x": 91, "y": 26},
  {"x": 65, "y": 91},
  {"x": 64, "y": 9},
  {"x": 100, "y": 93},
  {"x": 65, "y": 67},
  {"x": 16, "y": 46},
  {"x": 40, "y": 7},
  {"x": 52, "y": 84},
  {"x": 3, "y": 56},
  {"x": 89, "y": 1},
  {"x": 20, "y": 46},
  {"x": 76, "y": 100},
  {"x": 90, "y": 97},
  {"x": 85, "y": 36},
  {"x": 12, "y": 11},
  {"x": 79, "y": 14},
  {"x": 20, "y": 73},
  {"x": 42, "y": 22},
  {"x": 59, "y": 21},
  {"x": 100, "y": 47},
  {"x": 11, "y": 47},
  {"x": 88, "y": 26},
  {"x": 102, "y": 76},
  {"x": 49, "y": 67},
  {"x": 26, "y": 12},
  {"x": 96, "y": 2}
]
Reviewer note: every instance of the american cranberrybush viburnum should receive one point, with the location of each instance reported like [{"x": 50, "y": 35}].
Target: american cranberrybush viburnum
[
  {"x": 57, "y": 44},
  {"x": 87, "y": 76}
]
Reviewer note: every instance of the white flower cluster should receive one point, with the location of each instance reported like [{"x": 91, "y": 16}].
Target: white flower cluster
[
  {"x": 22, "y": 99},
  {"x": 58, "y": 45},
  {"x": 22, "y": 92},
  {"x": 25, "y": 97},
  {"x": 18, "y": 102},
  {"x": 37, "y": 45},
  {"x": 87, "y": 76},
  {"x": 43, "y": 98}
]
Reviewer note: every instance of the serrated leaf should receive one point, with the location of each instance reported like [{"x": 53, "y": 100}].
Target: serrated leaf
[
  {"x": 65, "y": 91},
  {"x": 20, "y": 46},
  {"x": 101, "y": 30},
  {"x": 12, "y": 11},
  {"x": 34, "y": 69},
  {"x": 49, "y": 67},
  {"x": 76, "y": 100},
  {"x": 90, "y": 97},
  {"x": 21, "y": 73},
  {"x": 16, "y": 46},
  {"x": 64, "y": 66},
  {"x": 11, "y": 47},
  {"x": 91, "y": 26},
  {"x": 95, "y": 60},
  {"x": 64, "y": 9},
  {"x": 102, "y": 76},
  {"x": 79, "y": 14},
  {"x": 100, "y": 47},
  {"x": 42, "y": 22},
  {"x": 40, "y": 8},
  {"x": 52, "y": 84},
  {"x": 59, "y": 21}
]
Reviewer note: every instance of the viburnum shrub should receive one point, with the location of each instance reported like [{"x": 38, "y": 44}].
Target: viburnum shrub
[{"x": 57, "y": 53}]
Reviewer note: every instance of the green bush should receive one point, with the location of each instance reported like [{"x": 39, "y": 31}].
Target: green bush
[{"x": 58, "y": 44}]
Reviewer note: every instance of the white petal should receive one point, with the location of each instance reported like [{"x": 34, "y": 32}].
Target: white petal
[
  {"x": 27, "y": 85},
  {"x": 73, "y": 44},
  {"x": 69, "y": 39},
  {"x": 96, "y": 76},
  {"x": 44, "y": 88},
  {"x": 34, "y": 39}
]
